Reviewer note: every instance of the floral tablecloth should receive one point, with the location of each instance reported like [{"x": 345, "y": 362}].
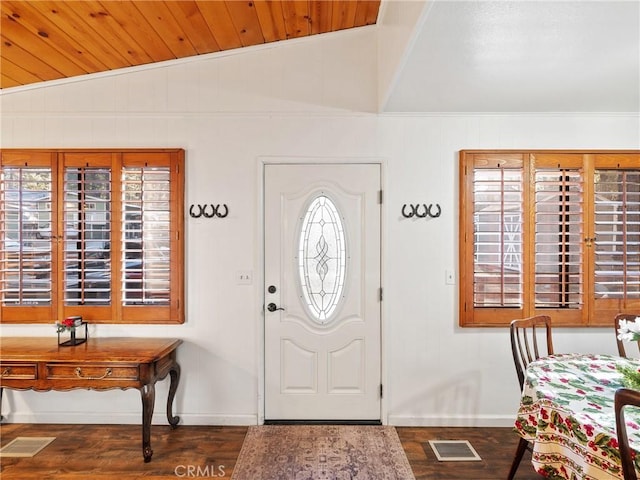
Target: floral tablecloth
[{"x": 567, "y": 411}]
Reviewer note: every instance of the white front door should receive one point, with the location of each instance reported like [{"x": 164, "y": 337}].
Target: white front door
[{"x": 322, "y": 292}]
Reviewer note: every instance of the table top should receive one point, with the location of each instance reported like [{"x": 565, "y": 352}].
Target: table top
[
  {"x": 113, "y": 349},
  {"x": 567, "y": 410}
]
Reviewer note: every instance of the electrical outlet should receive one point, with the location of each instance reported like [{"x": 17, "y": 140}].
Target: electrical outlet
[
  {"x": 450, "y": 278},
  {"x": 244, "y": 277}
]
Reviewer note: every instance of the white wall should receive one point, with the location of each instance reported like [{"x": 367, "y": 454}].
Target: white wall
[
  {"x": 399, "y": 23},
  {"x": 299, "y": 100}
]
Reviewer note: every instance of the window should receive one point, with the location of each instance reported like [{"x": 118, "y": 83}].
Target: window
[
  {"x": 322, "y": 258},
  {"x": 545, "y": 232},
  {"x": 94, "y": 233}
]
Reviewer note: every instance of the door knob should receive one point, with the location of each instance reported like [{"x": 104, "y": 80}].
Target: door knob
[{"x": 272, "y": 307}]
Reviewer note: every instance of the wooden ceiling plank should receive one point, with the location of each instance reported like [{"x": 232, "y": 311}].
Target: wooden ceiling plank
[
  {"x": 51, "y": 39},
  {"x": 7, "y": 82},
  {"x": 132, "y": 20},
  {"x": 344, "y": 14},
  {"x": 245, "y": 18},
  {"x": 111, "y": 30},
  {"x": 190, "y": 19},
  {"x": 17, "y": 73},
  {"x": 19, "y": 34},
  {"x": 271, "y": 20},
  {"x": 320, "y": 12},
  {"x": 365, "y": 10},
  {"x": 373, "y": 8},
  {"x": 220, "y": 24},
  {"x": 27, "y": 61},
  {"x": 296, "y": 18},
  {"x": 169, "y": 31},
  {"x": 63, "y": 14},
  {"x": 39, "y": 23}
]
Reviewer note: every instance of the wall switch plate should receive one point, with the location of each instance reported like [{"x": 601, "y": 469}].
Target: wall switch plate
[
  {"x": 244, "y": 277},
  {"x": 450, "y": 277}
]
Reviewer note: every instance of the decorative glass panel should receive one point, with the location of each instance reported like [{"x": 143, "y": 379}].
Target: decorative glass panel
[
  {"x": 321, "y": 258},
  {"x": 617, "y": 242},
  {"x": 87, "y": 236},
  {"x": 25, "y": 229},
  {"x": 498, "y": 218},
  {"x": 146, "y": 236}
]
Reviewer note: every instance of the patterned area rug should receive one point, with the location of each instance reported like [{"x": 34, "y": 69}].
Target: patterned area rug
[{"x": 322, "y": 452}]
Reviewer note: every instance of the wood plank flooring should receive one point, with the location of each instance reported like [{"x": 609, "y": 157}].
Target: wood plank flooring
[{"x": 103, "y": 452}]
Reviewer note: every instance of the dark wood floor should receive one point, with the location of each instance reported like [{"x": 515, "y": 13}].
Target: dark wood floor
[{"x": 100, "y": 452}]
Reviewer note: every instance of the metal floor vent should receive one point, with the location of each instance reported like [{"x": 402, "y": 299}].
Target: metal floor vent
[
  {"x": 25, "y": 446},
  {"x": 454, "y": 450}
]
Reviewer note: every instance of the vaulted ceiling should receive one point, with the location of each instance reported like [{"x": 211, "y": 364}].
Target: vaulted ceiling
[
  {"x": 460, "y": 55},
  {"x": 521, "y": 56},
  {"x": 48, "y": 40}
]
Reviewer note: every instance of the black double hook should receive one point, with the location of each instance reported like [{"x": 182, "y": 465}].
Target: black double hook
[
  {"x": 203, "y": 211},
  {"x": 416, "y": 210}
]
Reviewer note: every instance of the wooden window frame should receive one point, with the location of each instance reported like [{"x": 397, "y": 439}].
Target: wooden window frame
[
  {"x": 594, "y": 311},
  {"x": 115, "y": 159}
]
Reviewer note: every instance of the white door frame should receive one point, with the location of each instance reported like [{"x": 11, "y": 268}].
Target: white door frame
[{"x": 259, "y": 284}]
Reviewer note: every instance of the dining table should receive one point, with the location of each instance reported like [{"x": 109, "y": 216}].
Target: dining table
[{"x": 567, "y": 413}]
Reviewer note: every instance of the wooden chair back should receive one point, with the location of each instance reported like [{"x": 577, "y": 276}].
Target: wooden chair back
[
  {"x": 530, "y": 340},
  {"x": 624, "y": 397},
  {"x": 624, "y": 316}
]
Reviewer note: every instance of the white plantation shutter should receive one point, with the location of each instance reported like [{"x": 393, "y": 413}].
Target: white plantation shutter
[
  {"x": 25, "y": 230},
  {"x": 549, "y": 233},
  {"x": 87, "y": 236},
  {"x": 498, "y": 220},
  {"x": 94, "y": 233},
  {"x": 617, "y": 234},
  {"x": 145, "y": 266},
  {"x": 558, "y": 238}
]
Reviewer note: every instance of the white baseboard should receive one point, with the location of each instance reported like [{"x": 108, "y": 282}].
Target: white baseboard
[
  {"x": 451, "y": 421},
  {"x": 246, "y": 420},
  {"x": 127, "y": 418}
]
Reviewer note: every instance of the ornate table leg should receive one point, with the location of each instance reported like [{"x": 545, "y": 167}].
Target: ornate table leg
[
  {"x": 148, "y": 399},
  {"x": 173, "y": 386}
]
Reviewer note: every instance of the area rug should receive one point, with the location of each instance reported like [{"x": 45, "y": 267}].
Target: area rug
[{"x": 322, "y": 452}]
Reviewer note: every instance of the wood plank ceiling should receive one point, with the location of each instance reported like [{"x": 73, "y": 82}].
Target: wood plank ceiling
[{"x": 48, "y": 40}]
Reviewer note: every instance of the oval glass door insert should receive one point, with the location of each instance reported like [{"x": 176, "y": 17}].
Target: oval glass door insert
[{"x": 322, "y": 258}]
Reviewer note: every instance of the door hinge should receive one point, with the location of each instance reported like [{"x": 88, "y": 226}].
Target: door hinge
[
  {"x": 380, "y": 197},
  {"x": 380, "y": 292},
  {"x": 380, "y": 390}
]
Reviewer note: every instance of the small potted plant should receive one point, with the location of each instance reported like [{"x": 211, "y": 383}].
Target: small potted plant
[
  {"x": 70, "y": 324},
  {"x": 629, "y": 331}
]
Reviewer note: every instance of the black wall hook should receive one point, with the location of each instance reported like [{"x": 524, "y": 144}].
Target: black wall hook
[
  {"x": 209, "y": 215},
  {"x": 203, "y": 210},
  {"x": 428, "y": 209},
  {"x": 419, "y": 213},
  {"x": 196, "y": 215},
  {"x": 226, "y": 211},
  {"x": 411, "y": 213}
]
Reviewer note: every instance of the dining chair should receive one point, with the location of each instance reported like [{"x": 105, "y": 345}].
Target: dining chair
[
  {"x": 530, "y": 339},
  {"x": 624, "y": 397},
  {"x": 629, "y": 317}
]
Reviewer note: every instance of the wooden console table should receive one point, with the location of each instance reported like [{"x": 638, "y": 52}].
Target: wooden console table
[{"x": 33, "y": 363}]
